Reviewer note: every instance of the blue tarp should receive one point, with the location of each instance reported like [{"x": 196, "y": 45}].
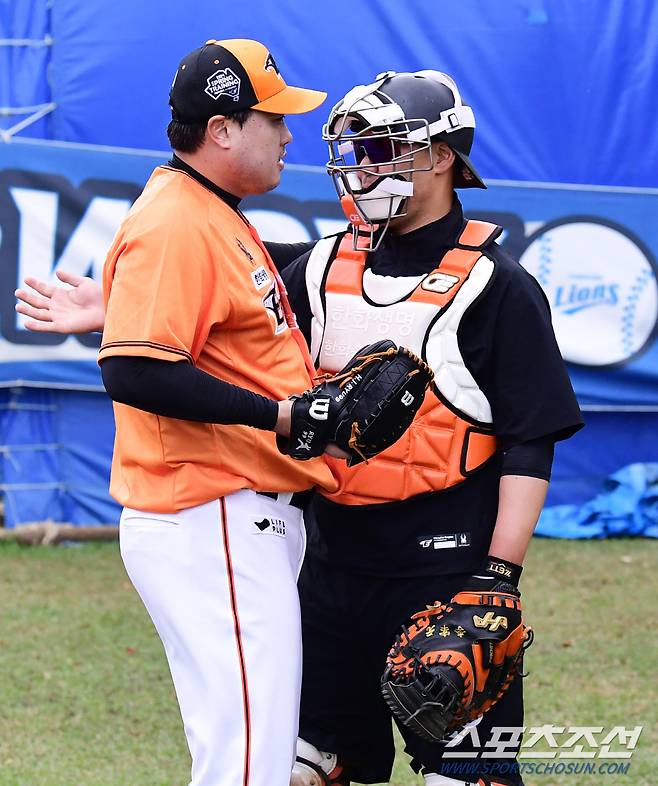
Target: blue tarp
[
  {"x": 55, "y": 454},
  {"x": 563, "y": 91},
  {"x": 627, "y": 505}
]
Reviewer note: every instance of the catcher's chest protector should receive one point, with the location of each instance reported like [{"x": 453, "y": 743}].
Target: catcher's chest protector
[{"x": 452, "y": 434}]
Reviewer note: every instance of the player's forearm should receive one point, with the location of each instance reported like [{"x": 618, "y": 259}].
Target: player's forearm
[
  {"x": 178, "y": 390},
  {"x": 521, "y": 499},
  {"x": 284, "y": 253}
]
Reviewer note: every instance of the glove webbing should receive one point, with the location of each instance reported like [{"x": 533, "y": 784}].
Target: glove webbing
[{"x": 366, "y": 360}]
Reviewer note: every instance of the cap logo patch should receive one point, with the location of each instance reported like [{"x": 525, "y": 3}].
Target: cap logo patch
[
  {"x": 223, "y": 83},
  {"x": 270, "y": 65}
]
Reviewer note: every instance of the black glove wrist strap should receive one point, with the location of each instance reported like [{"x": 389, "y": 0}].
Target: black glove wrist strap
[
  {"x": 496, "y": 575},
  {"x": 503, "y": 569}
]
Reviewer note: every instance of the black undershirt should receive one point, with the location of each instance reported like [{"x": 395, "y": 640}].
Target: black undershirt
[{"x": 177, "y": 389}]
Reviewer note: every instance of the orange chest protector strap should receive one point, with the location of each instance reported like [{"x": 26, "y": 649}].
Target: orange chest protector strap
[{"x": 443, "y": 446}]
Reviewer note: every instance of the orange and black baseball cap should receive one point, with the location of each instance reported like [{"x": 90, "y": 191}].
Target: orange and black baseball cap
[{"x": 223, "y": 77}]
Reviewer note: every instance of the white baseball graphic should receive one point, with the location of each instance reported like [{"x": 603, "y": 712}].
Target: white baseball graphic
[{"x": 602, "y": 290}]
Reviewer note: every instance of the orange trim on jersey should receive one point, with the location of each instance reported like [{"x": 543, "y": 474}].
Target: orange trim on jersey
[
  {"x": 238, "y": 639},
  {"x": 150, "y": 344}
]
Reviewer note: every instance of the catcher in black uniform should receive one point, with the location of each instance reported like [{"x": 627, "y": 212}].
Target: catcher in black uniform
[{"x": 451, "y": 507}]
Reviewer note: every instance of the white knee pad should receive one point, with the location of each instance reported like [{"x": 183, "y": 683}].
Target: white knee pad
[{"x": 313, "y": 767}]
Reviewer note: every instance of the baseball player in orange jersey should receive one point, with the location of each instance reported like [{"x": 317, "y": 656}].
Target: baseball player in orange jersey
[{"x": 200, "y": 352}]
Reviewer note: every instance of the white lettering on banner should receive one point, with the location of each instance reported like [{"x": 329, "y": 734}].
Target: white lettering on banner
[
  {"x": 599, "y": 276},
  {"x": 47, "y": 223},
  {"x": 87, "y": 246},
  {"x": 278, "y": 227},
  {"x": 36, "y": 239}
]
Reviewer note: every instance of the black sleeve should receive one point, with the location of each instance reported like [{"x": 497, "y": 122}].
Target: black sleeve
[
  {"x": 533, "y": 459},
  {"x": 294, "y": 277},
  {"x": 179, "y": 390},
  {"x": 509, "y": 345},
  {"x": 284, "y": 253}
]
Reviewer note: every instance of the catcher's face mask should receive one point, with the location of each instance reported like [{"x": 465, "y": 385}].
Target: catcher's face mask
[{"x": 379, "y": 135}]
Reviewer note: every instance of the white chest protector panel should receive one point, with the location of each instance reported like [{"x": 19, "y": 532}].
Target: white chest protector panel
[{"x": 350, "y": 322}]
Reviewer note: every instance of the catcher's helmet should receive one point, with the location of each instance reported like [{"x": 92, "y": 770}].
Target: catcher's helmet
[{"x": 377, "y": 134}]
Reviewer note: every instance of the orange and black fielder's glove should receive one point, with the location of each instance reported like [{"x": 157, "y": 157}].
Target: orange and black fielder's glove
[
  {"x": 363, "y": 409},
  {"x": 454, "y": 661}
]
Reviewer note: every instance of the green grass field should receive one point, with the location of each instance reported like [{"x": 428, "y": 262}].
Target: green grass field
[{"x": 86, "y": 699}]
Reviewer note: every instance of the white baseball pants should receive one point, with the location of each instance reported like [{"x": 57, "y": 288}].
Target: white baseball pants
[{"x": 219, "y": 582}]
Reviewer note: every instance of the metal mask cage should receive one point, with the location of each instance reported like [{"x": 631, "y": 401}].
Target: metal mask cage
[
  {"x": 389, "y": 149},
  {"x": 350, "y": 141}
]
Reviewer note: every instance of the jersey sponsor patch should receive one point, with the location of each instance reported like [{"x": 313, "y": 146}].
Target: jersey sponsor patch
[
  {"x": 454, "y": 541},
  {"x": 270, "y": 526},
  {"x": 260, "y": 277},
  {"x": 224, "y": 82}
]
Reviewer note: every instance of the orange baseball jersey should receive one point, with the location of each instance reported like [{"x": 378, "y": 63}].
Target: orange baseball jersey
[{"x": 186, "y": 280}]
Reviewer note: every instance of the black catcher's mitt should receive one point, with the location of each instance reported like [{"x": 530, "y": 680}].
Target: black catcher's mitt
[
  {"x": 454, "y": 661},
  {"x": 363, "y": 409}
]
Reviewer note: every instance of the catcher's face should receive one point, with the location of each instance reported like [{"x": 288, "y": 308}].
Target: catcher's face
[
  {"x": 432, "y": 195},
  {"x": 376, "y": 164}
]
